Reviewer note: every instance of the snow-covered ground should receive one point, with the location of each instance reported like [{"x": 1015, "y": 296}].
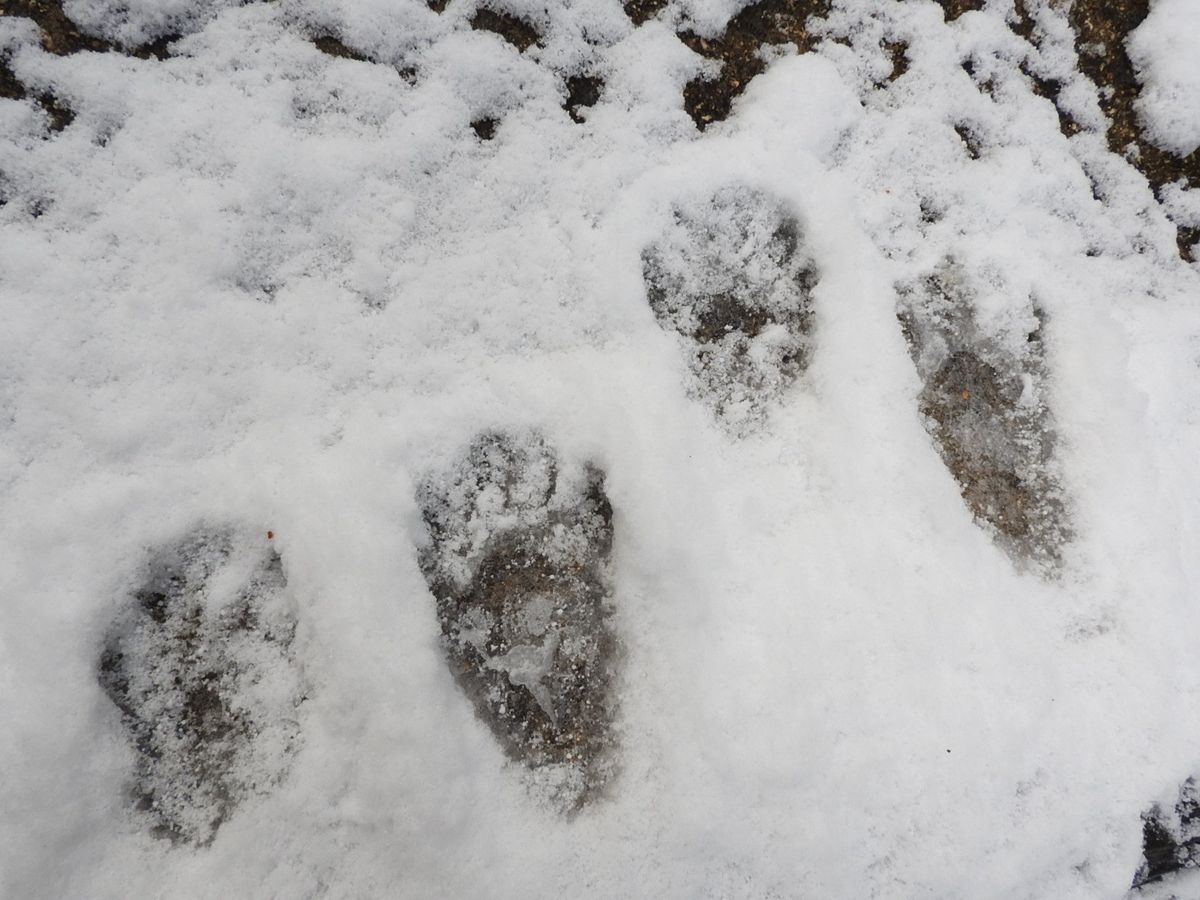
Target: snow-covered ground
[
  {"x": 254, "y": 283},
  {"x": 1165, "y": 49}
]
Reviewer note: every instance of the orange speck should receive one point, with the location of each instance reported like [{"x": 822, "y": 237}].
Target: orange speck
[
  {"x": 966, "y": 395},
  {"x": 270, "y": 535}
]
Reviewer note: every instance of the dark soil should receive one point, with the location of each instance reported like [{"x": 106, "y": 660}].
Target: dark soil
[
  {"x": 897, "y": 52},
  {"x": 970, "y": 142},
  {"x": 1170, "y": 838},
  {"x": 952, "y": 9},
  {"x": 1050, "y": 88},
  {"x": 997, "y": 446},
  {"x": 332, "y": 46},
  {"x": 769, "y": 22},
  {"x": 1106, "y": 24},
  {"x": 59, "y": 34},
  {"x": 1097, "y": 23},
  {"x": 642, "y": 11},
  {"x": 485, "y": 128},
  {"x": 63, "y": 37},
  {"x": 525, "y": 607},
  {"x": 10, "y": 88},
  {"x": 182, "y": 674},
  {"x": 582, "y": 91},
  {"x": 518, "y": 32}
]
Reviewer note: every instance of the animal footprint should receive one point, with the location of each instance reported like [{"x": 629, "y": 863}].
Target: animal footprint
[
  {"x": 518, "y": 562},
  {"x": 733, "y": 277},
  {"x": 983, "y": 403},
  {"x": 201, "y": 667}
]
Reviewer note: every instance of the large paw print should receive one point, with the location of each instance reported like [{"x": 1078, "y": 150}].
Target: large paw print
[
  {"x": 202, "y": 668},
  {"x": 734, "y": 279},
  {"x": 518, "y": 562}
]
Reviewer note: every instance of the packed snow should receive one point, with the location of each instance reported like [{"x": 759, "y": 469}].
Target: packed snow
[{"x": 261, "y": 292}]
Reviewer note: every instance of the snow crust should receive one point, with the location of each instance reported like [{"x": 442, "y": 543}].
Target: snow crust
[
  {"x": 1165, "y": 48},
  {"x": 254, "y": 282}
]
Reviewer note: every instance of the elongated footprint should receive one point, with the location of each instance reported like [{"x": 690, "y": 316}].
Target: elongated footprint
[
  {"x": 518, "y": 561},
  {"x": 984, "y": 404}
]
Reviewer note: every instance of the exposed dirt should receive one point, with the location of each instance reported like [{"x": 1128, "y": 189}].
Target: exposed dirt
[
  {"x": 897, "y": 52},
  {"x": 1050, "y": 88},
  {"x": 60, "y": 114},
  {"x": 332, "y": 46},
  {"x": 642, "y": 11},
  {"x": 970, "y": 142},
  {"x": 1170, "y": 838},
  {"x": 952, "y": 9},
  {"x": 485, "y": 128},
  {"x": 1101, "y": 27},
  {"x": 518, "y": 32},
  {"x": 982, "y": 405},
  {"x": 583, "y": 91},
  {"x": 734, "y": 279},
  {"x": 206, "y": 686},
  {"x": 61, "y": 36},
  {"x": 769, "y": 22},
  {"x": 518, "y": 563}
]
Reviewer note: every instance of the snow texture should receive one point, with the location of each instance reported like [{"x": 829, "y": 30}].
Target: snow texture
[
  {"x": 1166, "y": 50},
  {"x": 258, "y": 283}
]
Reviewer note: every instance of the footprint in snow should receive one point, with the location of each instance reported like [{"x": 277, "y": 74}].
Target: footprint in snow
[
  {"x": 517, "y": 559},
  {"x": 984, "y": 404},
  {"x": 733, "y": 277},
  {"x": 201, "y": 667}
]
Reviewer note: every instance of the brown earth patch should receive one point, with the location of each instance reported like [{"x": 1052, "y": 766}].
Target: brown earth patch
[
  {"x": 1101, "y": 27},
  {"x": 952, "y": 9},
  {"x": 897, "y": 52},
  {"x": 62, "y": 37},
  {"x": 518, "y": 32},
  {"x": 769, "y": 22},
  {"x": 583, "y": 91},
  {"x": 332, "y": 46},
  {"x": 642, "y": 11}
]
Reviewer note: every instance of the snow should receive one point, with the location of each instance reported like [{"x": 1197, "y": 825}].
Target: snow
[
  {"x": 1163, "y": 48},
  {"x": 252, "y": 283}
]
